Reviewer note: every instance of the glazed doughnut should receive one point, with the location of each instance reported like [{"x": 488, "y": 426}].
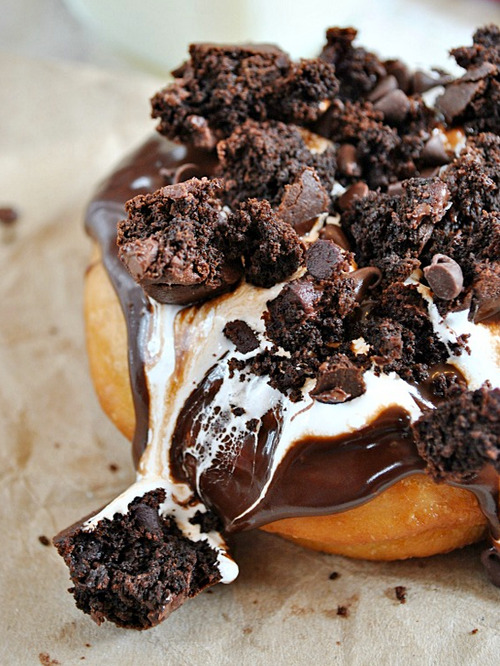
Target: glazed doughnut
[
  {"x": 414, "y": 518},
  {"x": 292, "y": 310}
]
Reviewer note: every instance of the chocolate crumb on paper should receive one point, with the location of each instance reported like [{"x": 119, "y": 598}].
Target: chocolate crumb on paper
[{"x": 400, "y": 592}]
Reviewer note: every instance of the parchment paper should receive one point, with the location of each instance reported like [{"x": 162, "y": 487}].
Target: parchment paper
[{"x": 62, "y": 129}]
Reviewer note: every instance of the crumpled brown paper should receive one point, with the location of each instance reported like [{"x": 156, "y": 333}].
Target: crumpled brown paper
[{"x": 61, "y": 130}]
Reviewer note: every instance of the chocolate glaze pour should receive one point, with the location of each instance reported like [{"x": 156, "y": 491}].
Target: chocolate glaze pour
[
  {"x": 311, "y": 478},
  {"x": 144, "y": 171}
]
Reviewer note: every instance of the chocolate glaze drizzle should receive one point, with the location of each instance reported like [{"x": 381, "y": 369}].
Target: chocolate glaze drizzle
[{"x": 311, "y": 479}]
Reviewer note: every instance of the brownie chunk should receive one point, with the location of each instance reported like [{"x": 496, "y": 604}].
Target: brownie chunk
[
  {"x": 358, "y": 70},
  {"x": 396, "y": 226},
  {"x": 137, "y": 568},
  {"x": 485, "y": 302},
  {"x": 271, "y": 249},
  {"x": 303, "y": 200},
  {"x": 241, "y": 335},
  {"x": 474, "y": 99},
  {"x": 338, "y": 380},
  {"x": 461, "y": 435},
  {"x": 260, "y": 159},
  {"x": 222, "y": 86},
  {"x": 469, "y": 233},
  {"x": 171, "y": 243}
]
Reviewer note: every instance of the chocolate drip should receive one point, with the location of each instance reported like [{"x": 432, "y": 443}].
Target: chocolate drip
[
  {"x": 144, "y": 171},
  {"x": 311, "y": 479}
]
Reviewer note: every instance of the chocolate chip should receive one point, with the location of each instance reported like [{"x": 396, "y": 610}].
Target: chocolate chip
[
  {"x": 357, "y": 191},
  {"x": 423, "y": 81},
  {"x": 434, "y": 152},
  {"x": 384, "y": 87},
  {"x": 147, "y": 518},
  {"x": 303, "y": 200},
  {"x": 338, "y": 380},
  {"x": 444, "y": 276},
  {"x": 394, "y": 106},
  {"x": 139, "y": 255},
  {"x": 485, "y": 303},
  {"x": 457, "y": 97},
  {"x": 334, "y": 232},
  {"x": 322, "y": 258},
  {"x": 398, "y": 69},
  {"x": 365, "y": 278},
  {"x": 347, "y": 160},
  {"x": 241, "y": 335}
]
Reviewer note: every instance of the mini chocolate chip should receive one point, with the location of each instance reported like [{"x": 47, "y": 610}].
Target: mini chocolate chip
[
  {"x": 357, "y": 191},
  {"x": 334, "y": 233},
  {"x": 322, "y": 258},
  {"x": 138, "y": 256},
  {"x": 394, "y": 106},
  {"x": 383, "y": 87},
  {"x": 147, "y": 518},
  {"x": 398, "y": 69},
  {"x": 241, "y": 335},
  {"x": 365, "y": 278},
  {"x": 457, "y": 97},
  {"x": 434, "y": 152},
  {"x": 347, "y": 160},
  {"x": 444, "y": 276},
  {"x": 423, "y": 81}
]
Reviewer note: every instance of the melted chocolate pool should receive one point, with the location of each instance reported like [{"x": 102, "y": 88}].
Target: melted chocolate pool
[{"x": 317, "y": 475}]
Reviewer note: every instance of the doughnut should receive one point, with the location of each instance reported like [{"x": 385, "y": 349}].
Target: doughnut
[{"x": 292, "y": 311}]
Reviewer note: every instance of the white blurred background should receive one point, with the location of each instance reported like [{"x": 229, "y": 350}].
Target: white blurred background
[{"x": 153, "y": 34}]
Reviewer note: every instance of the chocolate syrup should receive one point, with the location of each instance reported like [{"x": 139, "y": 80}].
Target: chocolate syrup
[
  {"x": 317, "y": 476},
  {"x": 153, "y": 165}
]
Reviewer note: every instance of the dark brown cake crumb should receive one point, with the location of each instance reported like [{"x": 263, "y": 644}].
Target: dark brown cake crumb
[
  {"x": 135, "y": 569},
  {"x": 45, "y": 541},
  {"x": 334, "y": 575},
  {"x": 8, "y": 215},
  {"x": 474, "y": 99},
  {"x": 270, "y": 248},
  {"x": 400, "y": 592},
  {"x": 171, "y": 243},
  {"x": 461, "y": 435},
  {"x": 358, "y": 70},
  {"x": 222, "y": 86},
  {"x": 343, "y": 611},
  {"x": 260, "y": 159},
  {"x": 242, "y": 336}
]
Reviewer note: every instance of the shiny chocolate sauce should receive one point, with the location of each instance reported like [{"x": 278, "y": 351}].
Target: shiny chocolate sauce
[
  {"x": 153, "y": 165},
  {"x": 317, "y": 476}
]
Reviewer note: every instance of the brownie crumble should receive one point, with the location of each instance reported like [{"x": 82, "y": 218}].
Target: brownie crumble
[
  {"x": 461, "y": 435},
  {"x": 135, "y": 569},
  {"x": 222, "y": 86}
]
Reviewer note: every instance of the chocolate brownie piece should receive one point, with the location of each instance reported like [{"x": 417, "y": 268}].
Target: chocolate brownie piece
[
  {"x": 137, "y": 568},
  {"x": 358, "y": 70},
  {"x": 396, "y": 226},
  {"x": 271, "y": 248},
  {"x": 222, "y": 86},
  {"x": 461, "y": 435},
  {"x": 469, "y": 233},
  {"x": 241, "y": 335},
  {"x": 259, "y": 160},
  {"x": 171, "y": 243},
  {"x": 338, "y": 380},
  {"x": 474, "y": 99},
  {"x": 485, "y": 302}
]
